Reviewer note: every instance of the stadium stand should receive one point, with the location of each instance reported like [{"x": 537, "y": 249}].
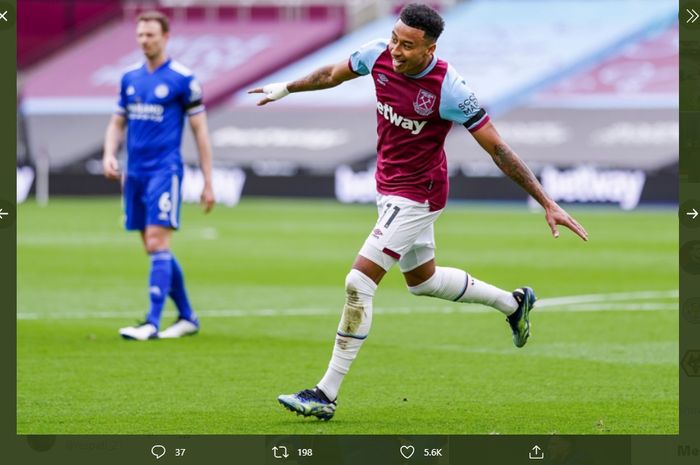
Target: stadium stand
[
  {"x": 225, "y": 56},
  {"x": 593, "y": 116},
  {"x": 536, "y": 90},
  {"x": 528, "y": 60},
  {"x": 45, "y": 26}
]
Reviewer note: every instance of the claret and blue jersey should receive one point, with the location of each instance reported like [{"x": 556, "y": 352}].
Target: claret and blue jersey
[{"x": 414, "y": 115}]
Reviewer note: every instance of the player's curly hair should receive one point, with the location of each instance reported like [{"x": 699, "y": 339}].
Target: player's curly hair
[{"x": 424, "y": 18}]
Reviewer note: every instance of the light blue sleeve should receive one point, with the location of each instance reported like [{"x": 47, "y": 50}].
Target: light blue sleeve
[
  {"x": 458, "y": 102},
  {"x": 362, "y": 61}
]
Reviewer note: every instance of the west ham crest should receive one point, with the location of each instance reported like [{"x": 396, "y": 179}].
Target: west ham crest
[{"x": 424, "y": 103}]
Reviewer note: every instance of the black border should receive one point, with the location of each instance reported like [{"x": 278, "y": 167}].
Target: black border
[
  {"x": 689, "y": 232},
  {"x": 8, "y": 229}
]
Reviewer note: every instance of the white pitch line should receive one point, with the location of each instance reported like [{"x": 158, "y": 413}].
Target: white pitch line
[
  {"x": 604, "y": 307},
  {"x": 569, "y": 304},
  {"x": 615, "y": 296}
]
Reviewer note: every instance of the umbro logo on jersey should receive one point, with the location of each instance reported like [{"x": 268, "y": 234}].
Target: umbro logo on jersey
[
  {"x": 382, "y": 79},
  {"x": 387, "y": 111}
]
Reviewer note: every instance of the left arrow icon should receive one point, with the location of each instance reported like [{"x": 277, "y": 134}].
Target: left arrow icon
[{"x": 8, "y": 215}]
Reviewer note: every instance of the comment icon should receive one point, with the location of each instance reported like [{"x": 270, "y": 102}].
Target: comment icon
[{"x": 158, "y": 451}]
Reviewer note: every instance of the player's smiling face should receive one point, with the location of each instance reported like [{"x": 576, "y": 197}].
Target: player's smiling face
[
  {"x": 410, "y": 50},
  {"x": 151, "y": 38}
]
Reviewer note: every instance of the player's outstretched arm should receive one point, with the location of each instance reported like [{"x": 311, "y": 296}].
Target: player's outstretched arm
[
  {"x": 113, "y": 139},
  {"x": 323, "y": 78},
  {"x": 201, "y": 137},
  {"x": 513, "y": 166}
]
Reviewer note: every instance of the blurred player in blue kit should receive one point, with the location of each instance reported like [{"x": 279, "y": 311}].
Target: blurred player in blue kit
[{"x": 155, "y": 96}]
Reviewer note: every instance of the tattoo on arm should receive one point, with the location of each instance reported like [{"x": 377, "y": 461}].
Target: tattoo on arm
[
  {"x": 518, "y": 171},
  {"x": 322, "y": 78}
]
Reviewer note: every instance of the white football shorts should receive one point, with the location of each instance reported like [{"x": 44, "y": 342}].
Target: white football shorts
[{"x": 403, "y": 233}]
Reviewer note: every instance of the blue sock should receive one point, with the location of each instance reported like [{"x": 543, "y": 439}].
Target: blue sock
[
  {"x": 159, "y": 284},
  {"x": 179, "y": 294}
]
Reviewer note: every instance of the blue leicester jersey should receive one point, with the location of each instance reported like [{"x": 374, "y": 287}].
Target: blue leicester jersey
[{"x": 155, "y": 104}]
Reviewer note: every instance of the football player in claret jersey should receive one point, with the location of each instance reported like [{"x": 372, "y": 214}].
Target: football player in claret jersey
[
  {"x": 419, "y": 97},
  {"x": 155, "y": 96}
]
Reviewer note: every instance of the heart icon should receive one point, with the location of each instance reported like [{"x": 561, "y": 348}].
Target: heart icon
[{"x": 407, "y": 451}]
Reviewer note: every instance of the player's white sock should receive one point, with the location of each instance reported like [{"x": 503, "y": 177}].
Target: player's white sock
[
  {"x": 458, "y": 286},
  {"x": 352, "y": 330}
]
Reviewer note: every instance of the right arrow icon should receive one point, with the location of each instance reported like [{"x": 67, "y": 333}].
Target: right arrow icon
[
  {"x": 693, "y": 15},
  {"x": 693, "y": 213}
]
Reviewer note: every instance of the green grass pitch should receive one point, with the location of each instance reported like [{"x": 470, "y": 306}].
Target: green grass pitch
[{"x": 267, "y": 280}]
